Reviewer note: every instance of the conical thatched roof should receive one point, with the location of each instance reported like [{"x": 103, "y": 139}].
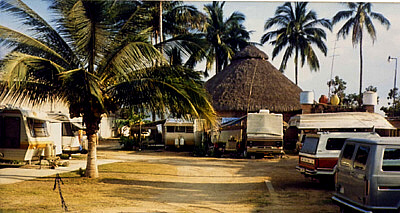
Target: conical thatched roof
[{"x": 251, "y": 83}]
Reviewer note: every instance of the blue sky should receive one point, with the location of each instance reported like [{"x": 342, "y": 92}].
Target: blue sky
[{"x": 377, "y": 70}]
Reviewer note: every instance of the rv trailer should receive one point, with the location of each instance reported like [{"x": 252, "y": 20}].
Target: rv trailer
[
  {"x": 180, "y": 133},
  {"x": 67, "y": 133},
  {"x": 25, "y": 135}
]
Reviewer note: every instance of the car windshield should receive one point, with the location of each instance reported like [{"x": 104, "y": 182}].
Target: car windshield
[
  {"x": 391, "y": 160},
  {"x": 310, "y": 145}
]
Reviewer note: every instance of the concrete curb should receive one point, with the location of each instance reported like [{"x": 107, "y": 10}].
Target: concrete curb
[{"x": 14, "y": 175}]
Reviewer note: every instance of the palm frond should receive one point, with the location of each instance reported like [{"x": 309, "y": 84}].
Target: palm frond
[
  {"x": 12, "y": 38},
  {"x": 384, "y": 21},
  {"x": 130, "y": 57},
  {"x": 43, "y": 31}
]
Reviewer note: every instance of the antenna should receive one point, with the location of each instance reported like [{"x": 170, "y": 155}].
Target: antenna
[{"x": 333, "y": 60}]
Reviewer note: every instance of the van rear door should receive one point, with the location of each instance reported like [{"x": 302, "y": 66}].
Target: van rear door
[
  {"x": 360, "y": 178},
  {"x": 345, "y": 168}
]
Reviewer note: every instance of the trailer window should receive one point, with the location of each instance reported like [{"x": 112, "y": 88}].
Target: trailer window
[
  {"x": 391, "y": 160},
  {"x": 38, "y": 128},
  {"x": 170, "y": 129},
  {"x": 67, "y": 129},
  {"x": 180, "y": 129},
  {"x": 189, "y": 129},
  {"x": 335, "y": 143},
  {"x": 310, "y": 145}
]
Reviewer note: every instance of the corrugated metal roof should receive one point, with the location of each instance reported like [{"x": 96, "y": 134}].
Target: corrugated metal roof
[{"x": 340, "y": 120}]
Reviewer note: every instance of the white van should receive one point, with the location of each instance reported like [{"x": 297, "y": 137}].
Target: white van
[{"x": 319, "y": 153}]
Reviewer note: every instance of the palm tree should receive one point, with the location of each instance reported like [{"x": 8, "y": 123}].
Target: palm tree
[
  {"x": 298, "y": 29},
  {"x": 225, "y": 37},
  {"x": 359, "y": 17},
  {"x": 175, "y": 27},
  {"x": 98, "y": 59}
]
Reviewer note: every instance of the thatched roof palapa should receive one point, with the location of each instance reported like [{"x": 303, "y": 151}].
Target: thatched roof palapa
[{"x": 251, "y": 83}]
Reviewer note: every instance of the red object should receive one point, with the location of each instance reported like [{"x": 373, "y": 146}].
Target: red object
[{"x": 323, "y": 99}]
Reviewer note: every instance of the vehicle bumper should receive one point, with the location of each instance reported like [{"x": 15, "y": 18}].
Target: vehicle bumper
[
  {"x": 313, "y": 172},
  {"x": 366, "y": 209},
  {"x": 265, "y": 150}
]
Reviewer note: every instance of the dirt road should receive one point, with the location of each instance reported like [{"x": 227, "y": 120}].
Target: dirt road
[{"x": 195, "y": 184}]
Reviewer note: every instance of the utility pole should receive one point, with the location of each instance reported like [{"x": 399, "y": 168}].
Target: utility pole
[
  {"x": 394, "y": 85},
  {"x": 333, "y": 60}
]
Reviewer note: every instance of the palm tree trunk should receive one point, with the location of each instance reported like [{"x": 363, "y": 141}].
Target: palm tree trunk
[
  {"x": 361, "y": 71},
  {"x": 92, "y": 121},
  {"x": 216, "y": 62},
  {"x": 92, "y": 124},
  {"x": 91, "y": 164},
  {"x": 296, "y": 71},
  {"x": 161, "y": 22}
]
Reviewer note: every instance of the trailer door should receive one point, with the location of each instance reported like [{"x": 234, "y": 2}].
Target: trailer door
[{"x": 10, "y": 132}]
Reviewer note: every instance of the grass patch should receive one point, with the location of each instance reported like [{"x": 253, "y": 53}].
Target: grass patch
[{"x": 119, "y": 185}]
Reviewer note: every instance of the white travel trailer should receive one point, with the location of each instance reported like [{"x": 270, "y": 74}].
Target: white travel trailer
[
  {"x": 180, "y": 133},
  {"x": 67, "y": 135},
  {"x": 25, "y": 136}
]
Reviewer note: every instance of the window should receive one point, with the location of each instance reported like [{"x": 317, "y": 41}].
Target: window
[
  {"x": 347, "y": 155},
  {"x": 310, "y": 145},
  {"x": 67, "y": 129},
  {"x": 361, "y": 158},
  {"x": 170, "y": 129},
  {"x": 189, "y": 129},
  {"x": 180, "y": 129},
  {"x": 335, "y": 143},
  {"x": 391, "y": 160},
  {"x": 38, "y": 128}
]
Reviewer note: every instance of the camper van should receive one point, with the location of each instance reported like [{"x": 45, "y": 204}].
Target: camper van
[
  {"x": 25, "y": 135},
  {"x": 66, "y": 134},
  {"x": 264, "y": 134}
]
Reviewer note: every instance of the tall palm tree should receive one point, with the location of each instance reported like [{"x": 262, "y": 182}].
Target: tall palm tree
[
  {"x": 298, "y": 30},
  {"x": 225, "y": 37},
  {"x": 175, "y": 27},
  {"x": 359, "y": 18},
  {"x": 99, "y": 58}
]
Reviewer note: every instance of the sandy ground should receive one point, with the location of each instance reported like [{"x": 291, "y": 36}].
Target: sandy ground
[{"x": 204, "y": 184}]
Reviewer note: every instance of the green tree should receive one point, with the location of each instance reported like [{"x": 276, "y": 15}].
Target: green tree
[
  {"x": 353, "y": 100},
  {"x": 394, "y": 104},
  {"x": 358, "y": 18},
  {"x": 338, "y": 86},
  {"x": 225, "y": 37},
  {"x": 298, "y": 29},
  {"x": 97, "y": 59},
  {"x": 182, "y": 40}
]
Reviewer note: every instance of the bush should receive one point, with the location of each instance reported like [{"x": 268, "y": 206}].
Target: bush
[{"x": 128, "y": 142}]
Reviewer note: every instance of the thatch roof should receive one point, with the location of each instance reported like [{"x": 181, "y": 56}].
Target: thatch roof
[{"x": 251, "y": 83}]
